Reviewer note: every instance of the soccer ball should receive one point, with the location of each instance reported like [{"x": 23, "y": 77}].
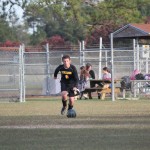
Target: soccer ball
[{"x": 71, "y": 113}]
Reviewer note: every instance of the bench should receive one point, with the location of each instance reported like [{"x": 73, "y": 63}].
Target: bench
[{"x": 101, "y": 92}]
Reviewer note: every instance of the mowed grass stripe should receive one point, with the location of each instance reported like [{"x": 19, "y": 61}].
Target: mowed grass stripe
[
  {"x": 72, "y": 139},
  {"x": 100, "y": 125},
  {"x": 90, "y": 114},
  {"x": 83, "y": 108}
]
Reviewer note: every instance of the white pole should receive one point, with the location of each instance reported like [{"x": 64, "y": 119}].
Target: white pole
[
  {"x": 48, "y": 70},
  {"x": 138, "y": 65},
  {"x": 106, "y": 58},
  {"x": 146, "y": 65},
  {"x": 112, "y": 69},
  {"x": 61, "y": 58},
  {"x": 23, "y": 73},
  {"x": 134, "y": 54},
  {"x": 80, "y": 53},
  {"x": 138, "y": 49},
  {"x": 20, "y": 73},
  {"x": 100, "y": 59},
  {"x": 83, "y": 48}
]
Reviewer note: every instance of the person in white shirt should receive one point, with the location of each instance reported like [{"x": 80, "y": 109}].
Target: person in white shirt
[{"x": 106, "y": 74}]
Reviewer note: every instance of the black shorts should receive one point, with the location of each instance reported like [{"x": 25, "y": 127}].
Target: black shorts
[{"x": 68, "y": 88}]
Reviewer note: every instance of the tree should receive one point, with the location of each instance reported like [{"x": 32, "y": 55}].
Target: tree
[
  {"x": 10, "y": 29},
  {"x": 65, "y": 18},
  {"x": 109, "y": 15},
  {"x": 76, "y": 20},
  {"x": 6, "y": 33},
  {"x": 37, "y": 37},
  {"x": 143, "y": 6},
  {"x": 22, "y": 33}
]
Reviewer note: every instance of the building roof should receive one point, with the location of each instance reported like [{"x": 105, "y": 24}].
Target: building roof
[{"x": 133, "y": 31}]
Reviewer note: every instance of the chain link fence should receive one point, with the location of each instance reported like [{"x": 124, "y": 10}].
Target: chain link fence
[
  {"x": 9, "y": 74},
  {"x": 124, "y": 60},
  {"x": 39, "y": 69},
  {"x": 29, "y": 72},
  {"x": 40, "y": 65}
]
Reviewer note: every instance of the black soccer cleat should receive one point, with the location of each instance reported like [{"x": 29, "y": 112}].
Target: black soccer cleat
[{"x": 63, "y": 110}]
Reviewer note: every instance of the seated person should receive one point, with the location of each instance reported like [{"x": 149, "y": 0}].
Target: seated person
[
  {"x": 84, "y": 81},
  {"x": 92, "y": 76},
  {"x": 106, "y": 76}
]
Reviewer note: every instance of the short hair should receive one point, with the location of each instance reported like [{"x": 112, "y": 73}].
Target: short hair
[
  {"x": 65, "y": 57},
  {"x": 88, "y": 65}
]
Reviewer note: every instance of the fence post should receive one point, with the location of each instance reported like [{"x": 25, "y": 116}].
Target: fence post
[
  {"x": 100, "y": 59},
  {"x": 80, "y": 53},
  {"x": 134, "y": 53},
  {"x": 83, "y": 48},
  {"x": 146, "y": 65},
  {"x": 61, "y": 58},
  {"x": 47, "y": 70},
  {"x": 112, "y": 69},
  {"x": 20, "y": 73},
  {"x": 106, "y": 57},
  {"x": 23, "y": 72},
  {"x": 138, "y": 49}
]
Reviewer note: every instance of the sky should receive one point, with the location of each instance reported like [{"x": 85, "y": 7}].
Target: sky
[
  {"x": 19, "y": 12},
  {"x": 18, "y": 9}
]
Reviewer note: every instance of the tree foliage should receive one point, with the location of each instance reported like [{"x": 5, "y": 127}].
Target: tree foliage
[
  {"x": 6, "y": 33},
  {"x": 65, "y": 18},
  {"x": 74, "y": 20},
  {"x": 81, "y": 19}
]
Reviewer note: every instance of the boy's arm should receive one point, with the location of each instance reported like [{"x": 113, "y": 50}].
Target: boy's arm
[
  {"x": 56, "y": 72},
  {"x": 75, "y": 76}
]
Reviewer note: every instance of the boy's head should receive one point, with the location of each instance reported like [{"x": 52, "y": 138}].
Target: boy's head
[
  {"x": 65, "y": 57},
  {"x": 66, "y": 61}
]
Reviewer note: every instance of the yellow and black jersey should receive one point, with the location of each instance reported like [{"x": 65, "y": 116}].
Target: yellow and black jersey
[{"x": 69, "y": 75}]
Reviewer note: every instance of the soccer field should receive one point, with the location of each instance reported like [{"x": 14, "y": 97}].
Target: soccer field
[{"x": 100, "y": 125}]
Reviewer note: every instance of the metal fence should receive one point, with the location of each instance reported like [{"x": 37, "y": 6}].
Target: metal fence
[
  {"x": 123, "y": 58},
  {"x": 11, "y": 71},
  {"x": 40, "y": 66},
  {"x": 31, "y": 72},
  {"x": 39, "y": 69}
]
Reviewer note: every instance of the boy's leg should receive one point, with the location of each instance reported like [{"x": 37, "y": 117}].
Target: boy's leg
[
  {"x": 64, "y": 94},
  {"x": 71, "y": 102},
  {"x": 71, "y": 97},
  {"x": 64, "y": 102}
]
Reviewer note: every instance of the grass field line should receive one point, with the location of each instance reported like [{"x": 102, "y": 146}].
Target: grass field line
[{"x": 83, "y": 126}]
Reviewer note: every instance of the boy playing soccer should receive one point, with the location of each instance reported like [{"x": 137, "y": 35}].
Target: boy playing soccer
[{"x": 69, "y": 82}]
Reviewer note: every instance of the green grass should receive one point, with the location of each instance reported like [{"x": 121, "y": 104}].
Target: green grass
[
  {"x": 68, "y": 139},
  {"x": 100, "y": 125}
]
